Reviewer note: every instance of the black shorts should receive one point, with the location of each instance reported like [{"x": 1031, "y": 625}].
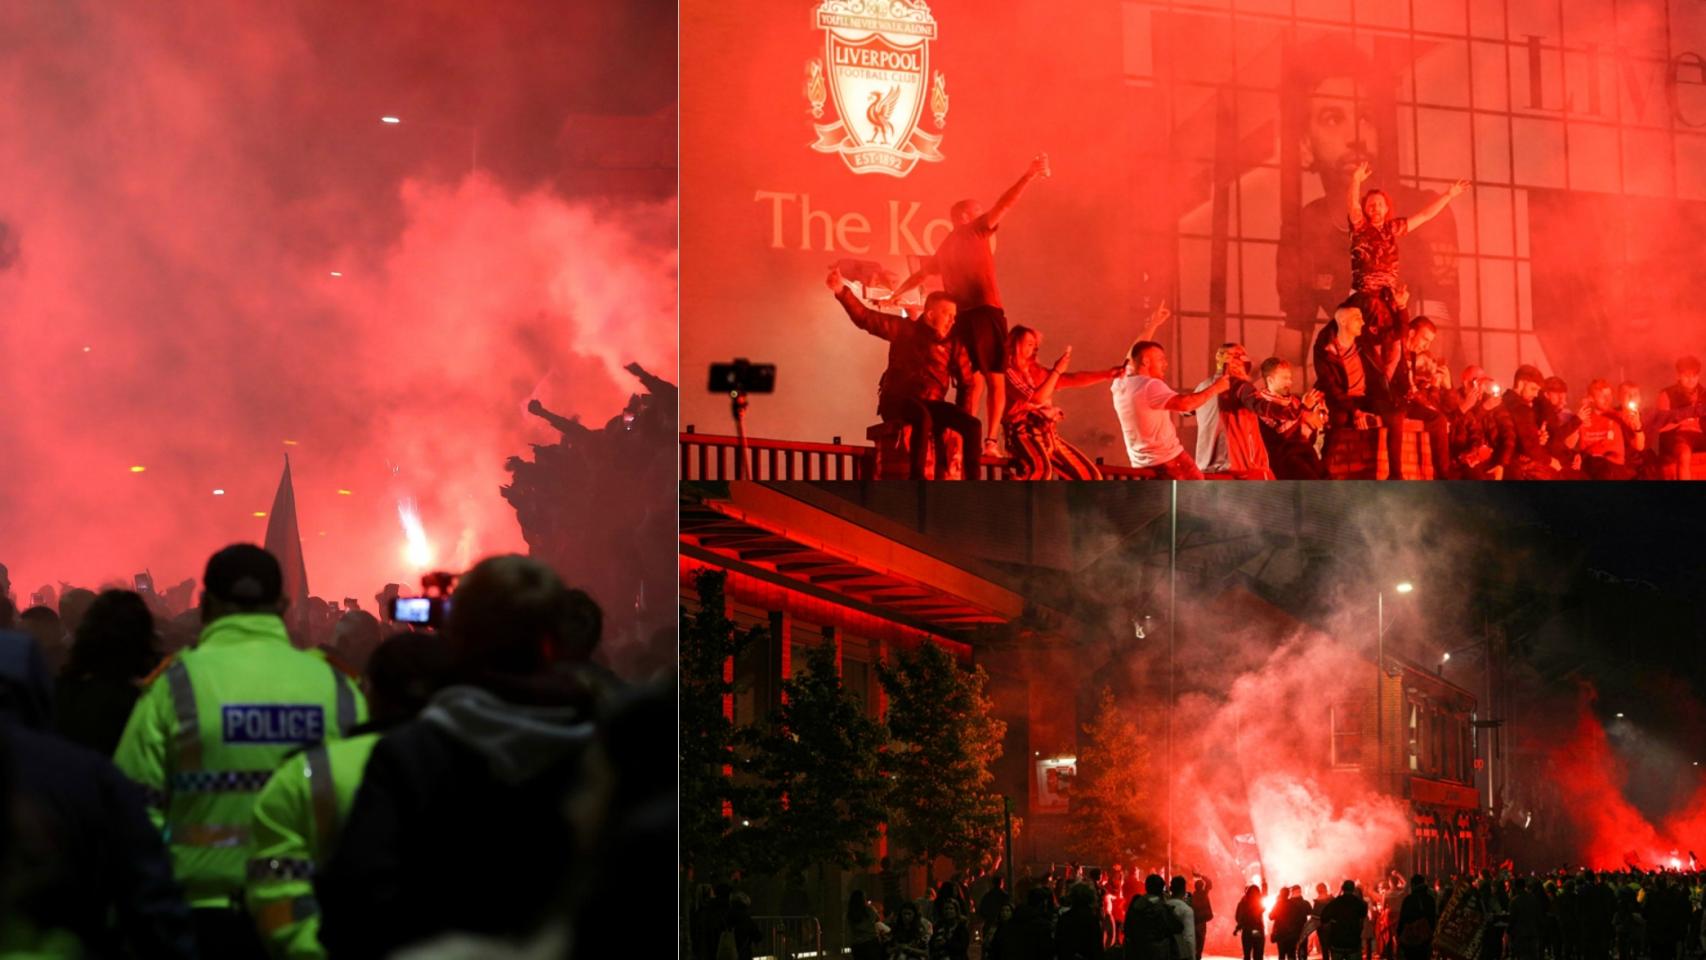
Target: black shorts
[
  {"x": 983, "y": 330},
  {"x": 1668, "y": 441}
]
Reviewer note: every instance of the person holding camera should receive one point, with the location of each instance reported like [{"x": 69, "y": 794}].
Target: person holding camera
[
  {"x": 458, "y": 826},
  {"x": 925, "y": 360}
]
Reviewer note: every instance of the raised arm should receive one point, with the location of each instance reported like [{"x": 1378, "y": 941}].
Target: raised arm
[
  {"x": 1186, "y": 402},
  {"x": 1089, "y": 378},
  {"x": 1252, "y": 400},
  {"x": 1045, "y": 393},
  {"x": 1353, "y": 192},
  {"x": 883, "y": 325},
  {"x": 1433, "y": 209},
  {"x": 928, "y": 269},
  {"x": 1005, "y": 202},
  {"x": 567, "y": 426},
  {"x": 1155, "y": 321}
]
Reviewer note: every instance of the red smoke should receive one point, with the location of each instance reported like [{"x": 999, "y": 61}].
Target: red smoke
[
  {"x": 181, "y": 192},
  {"x": 1591, "y": 779},
  {"x": 1256, "y": 765}
]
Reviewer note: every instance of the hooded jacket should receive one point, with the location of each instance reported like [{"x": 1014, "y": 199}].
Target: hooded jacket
[
  {"x": 458, "y": 826},
  {"x": 84, "y": 859}
]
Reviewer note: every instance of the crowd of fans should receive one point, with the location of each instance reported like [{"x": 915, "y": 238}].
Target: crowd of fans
[
  {"x": 484, "y": 789},
  {"x": 1372, "y": 362},
  {"x": 601, "y": 502},
  {"x": 1091, "y": 913}
]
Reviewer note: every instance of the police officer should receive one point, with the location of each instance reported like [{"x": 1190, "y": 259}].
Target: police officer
[
  {"x": 212, "y": 725},
  {"x": 300, "y": 811}
]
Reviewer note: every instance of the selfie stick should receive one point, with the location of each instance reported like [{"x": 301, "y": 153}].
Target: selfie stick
[{"x": 737, "y": 407}]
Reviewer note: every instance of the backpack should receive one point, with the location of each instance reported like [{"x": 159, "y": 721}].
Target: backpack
[
  {"x": 1416, "y": 933},
  {"x": 1150, "y": 922}
]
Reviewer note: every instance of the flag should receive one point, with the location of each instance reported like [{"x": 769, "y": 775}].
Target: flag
[{"x": 284, "y": 541}]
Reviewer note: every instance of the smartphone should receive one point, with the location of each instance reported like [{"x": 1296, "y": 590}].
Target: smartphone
[
  {"x": 743, "y": 376},
  {"x": 413, "y": 609}
]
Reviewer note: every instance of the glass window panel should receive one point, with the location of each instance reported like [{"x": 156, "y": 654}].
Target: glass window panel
[
  {"x": 1492, "y": 147},
  {"x": 1261, "y": 294},
  {"x": 1647, "y": 156},
  {"x": 1593, "y": 157},
  {"x": 1487, "y": 70},
  {"x": 1537, "y": 150},
  {"x": 1492, "y": 213},
  {"x": 1498, "y": 295},
  {"x": 1442, "y": 74},
  {"x": 1259, "y": 202}
]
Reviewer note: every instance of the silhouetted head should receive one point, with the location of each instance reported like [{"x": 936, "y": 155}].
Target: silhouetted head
[
  {"x": 73, "y": 604},
  {"x": 355, "y": 637},
  {"x": 1179, "y": 886},
  {"x": 115, "y": 639},
  {"x": 1688, "y": 372},
  {"x": 242, "y": 578},
  {"x": 402, "y": 675},
  {"x": 1154, "y": 885},
  {"x": 43, "y": 624},
  {"x": 513, "y": 616},
  {"x": 965, "y": 212}
]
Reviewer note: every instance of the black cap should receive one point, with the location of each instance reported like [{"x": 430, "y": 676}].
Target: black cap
[
  {"x": 1530, "y": 374},
  {"x": 244, "y": 574},
  {"x": 1554, "y": 385}
]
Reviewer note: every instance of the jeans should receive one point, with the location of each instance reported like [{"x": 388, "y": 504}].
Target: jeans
[{"x": 926, "y": 417}]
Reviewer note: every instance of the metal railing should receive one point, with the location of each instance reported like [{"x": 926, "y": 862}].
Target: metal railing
[
  {"x": 711, "y": 457},
  {"x": 789, "y": 938}
]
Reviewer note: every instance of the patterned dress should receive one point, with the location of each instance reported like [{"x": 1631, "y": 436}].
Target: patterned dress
[
  {"x": 1035, "y": 446},
  {"x": 1374, "y": 272}
]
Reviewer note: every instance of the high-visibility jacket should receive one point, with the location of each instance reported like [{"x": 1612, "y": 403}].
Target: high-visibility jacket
[
  {"x": 210, "y": 728},
  {"x": 297, "y": 818}
]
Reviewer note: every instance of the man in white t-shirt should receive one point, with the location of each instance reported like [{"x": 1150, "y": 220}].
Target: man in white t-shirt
[{"x": 1145, "y": 405}]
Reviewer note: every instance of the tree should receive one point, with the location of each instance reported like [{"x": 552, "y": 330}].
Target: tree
[
  {"x": 717, "y": 795},
  {"x": 820, "y": 765},
  {"x": 1113, "y": 790},
  {"x": 943, "y": 742}
]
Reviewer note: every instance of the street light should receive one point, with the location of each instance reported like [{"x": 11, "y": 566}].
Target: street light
[
  {"x": 1620, "y": 716},
  {"x": 472, "y": 131}
]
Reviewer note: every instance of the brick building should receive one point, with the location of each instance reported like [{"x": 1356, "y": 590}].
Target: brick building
[{"x": 1042, "y": 585}]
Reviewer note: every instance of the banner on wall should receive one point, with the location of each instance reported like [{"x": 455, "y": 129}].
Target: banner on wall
[{"x": 876, "y": 72}]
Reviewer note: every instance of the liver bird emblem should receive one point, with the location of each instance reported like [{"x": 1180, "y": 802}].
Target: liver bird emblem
[{"x": 878, "y": 113}]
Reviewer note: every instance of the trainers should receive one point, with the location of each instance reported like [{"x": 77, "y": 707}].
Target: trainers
[{"x": 991, "y": 447}]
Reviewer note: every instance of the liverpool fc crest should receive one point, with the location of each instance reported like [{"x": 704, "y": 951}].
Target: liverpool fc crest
[{"x": 876, "y": 69}]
